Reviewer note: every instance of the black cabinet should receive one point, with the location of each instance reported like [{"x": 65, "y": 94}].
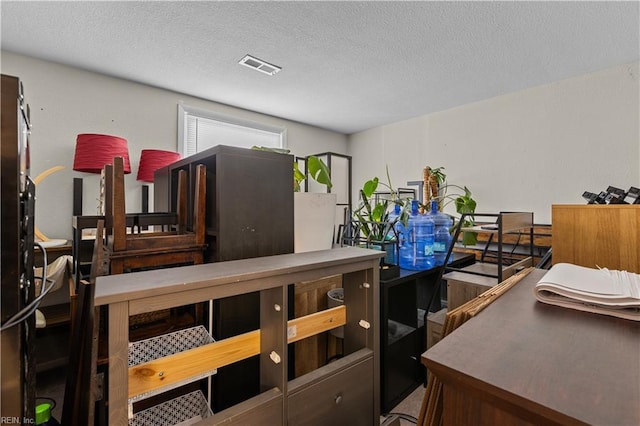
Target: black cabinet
[
  {"x": 249, "y": 209},
  {"x": 249, "y": 213},
  {"x": 404, "y": 302}
]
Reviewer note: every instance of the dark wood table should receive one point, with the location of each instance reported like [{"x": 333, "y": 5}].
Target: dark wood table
[{"x": 523, "y": 362}]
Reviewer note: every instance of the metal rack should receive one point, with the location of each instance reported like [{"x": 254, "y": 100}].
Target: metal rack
[{"x": 504, "y": 223}]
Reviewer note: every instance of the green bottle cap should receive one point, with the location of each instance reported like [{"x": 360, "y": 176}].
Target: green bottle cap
[{"x": 43, "y": 413}]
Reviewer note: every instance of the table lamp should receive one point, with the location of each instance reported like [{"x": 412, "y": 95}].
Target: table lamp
[
  {"x": 93, "y": 152},
  {"x": 150, "y": 161}
]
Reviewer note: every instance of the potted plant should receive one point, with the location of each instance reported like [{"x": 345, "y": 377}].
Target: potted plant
[
  {"x": 374, "y": 223},
  {"x": 436, "y": 187}
]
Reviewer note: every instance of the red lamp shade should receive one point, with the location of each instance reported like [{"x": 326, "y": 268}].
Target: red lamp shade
[
  {"x": 93, "y": 152},
  {"x": 153, "y": 159}
]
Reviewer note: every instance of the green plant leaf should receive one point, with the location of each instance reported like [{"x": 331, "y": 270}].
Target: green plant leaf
[
  {"x": 439, "y": 175},
  {"x": 378, "y": 212},
  {"x": 469, "y": 238},
  {"x": 319, "y": 171},
  {"x": 465, "y": 204},
  {"x": 298, "y": 177},
  {"x": 370, "y": 187}
]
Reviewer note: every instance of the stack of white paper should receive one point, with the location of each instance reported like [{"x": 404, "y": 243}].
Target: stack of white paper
[{"x": 603, "y": 291}]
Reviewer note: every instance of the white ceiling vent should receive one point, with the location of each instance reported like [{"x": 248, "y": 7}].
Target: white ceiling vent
[{"x": 259, "y": 65}]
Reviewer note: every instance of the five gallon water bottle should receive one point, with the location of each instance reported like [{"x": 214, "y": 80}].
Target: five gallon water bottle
[
  {"x": 416, "y": 252},
  {"x": 424, "y": 239},
  {"x": 442, "y": 239}
]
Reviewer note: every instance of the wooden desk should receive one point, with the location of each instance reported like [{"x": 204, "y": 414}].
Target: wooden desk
[{"x": 522, "y": 362}]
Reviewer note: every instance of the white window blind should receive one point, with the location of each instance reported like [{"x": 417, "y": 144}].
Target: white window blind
[{"x": 199, "y": 129}]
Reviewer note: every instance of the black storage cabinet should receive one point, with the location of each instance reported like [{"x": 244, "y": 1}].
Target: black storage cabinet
[{"x": 249, "y": 213}]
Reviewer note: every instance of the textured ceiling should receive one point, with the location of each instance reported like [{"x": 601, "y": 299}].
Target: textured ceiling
[{"x": 347, "y": 66}]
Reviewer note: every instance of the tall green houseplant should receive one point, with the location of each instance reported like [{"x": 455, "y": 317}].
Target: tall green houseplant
[
  {"x": 375, "y": 225},
  {"x": 436, "y": 187}
]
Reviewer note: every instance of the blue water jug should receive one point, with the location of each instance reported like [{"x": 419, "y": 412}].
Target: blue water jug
[
  {"x": 442, "y": 228},
  {"x": 416, "y": 251},
  {"x": 424, "y": 239}
]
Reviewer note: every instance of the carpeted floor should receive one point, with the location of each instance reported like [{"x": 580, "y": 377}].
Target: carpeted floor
[{"x": 409, "y": 406}]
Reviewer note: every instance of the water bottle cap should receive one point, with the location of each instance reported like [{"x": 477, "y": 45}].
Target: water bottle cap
[{"x": 43, "y": 413}]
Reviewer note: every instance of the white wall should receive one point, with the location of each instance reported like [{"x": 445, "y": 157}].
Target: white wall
[
  {"x": 522, "y": 151},
  {"x": 67, "y": 101}
]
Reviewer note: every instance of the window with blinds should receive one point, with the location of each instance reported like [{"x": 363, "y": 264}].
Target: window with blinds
[{"x": 200, "y": 129}]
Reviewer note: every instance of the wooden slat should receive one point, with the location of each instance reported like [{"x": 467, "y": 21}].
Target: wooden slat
[
  {"x": 117, "y": 194},
  {"x": 181, "y": 202},
  {"x": 176, "y": 368},
  {"x": 118, "y": 356},
  {"x": 169, "y": 241},
  {"x": 512, "y": 269},
  {"x": 199, "y": 210},
  {"x": 181, "y": 366},
  {"x": 319, "y": 322}
]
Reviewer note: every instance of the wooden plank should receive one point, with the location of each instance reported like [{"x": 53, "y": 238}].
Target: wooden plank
[
  {"x": 285, "y": 268},
  {"x": 168, "y": 242},
  {"x": 118, "y": 361},
  {"x": 200, "y": 205},
  {"x": 181, "y": 366},
  {"x": 319, "y": 322},
  {"x": 118, "y": 205},
  {"x": 176, "y": 368},
  {"x": 508, "y": 271}
]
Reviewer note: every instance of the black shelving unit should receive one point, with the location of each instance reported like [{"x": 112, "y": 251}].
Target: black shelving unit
[
  {"x": 404, "y": 304},
  {"x": 249, "y": 213}
]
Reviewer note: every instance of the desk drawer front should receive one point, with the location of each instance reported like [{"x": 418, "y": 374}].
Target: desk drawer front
[{"x": 345, "y": 398}]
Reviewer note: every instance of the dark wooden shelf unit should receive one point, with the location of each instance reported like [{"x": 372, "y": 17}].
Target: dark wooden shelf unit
[
  {"x": 249, "y": 213},
  {"x": 404, "y": 304}
]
